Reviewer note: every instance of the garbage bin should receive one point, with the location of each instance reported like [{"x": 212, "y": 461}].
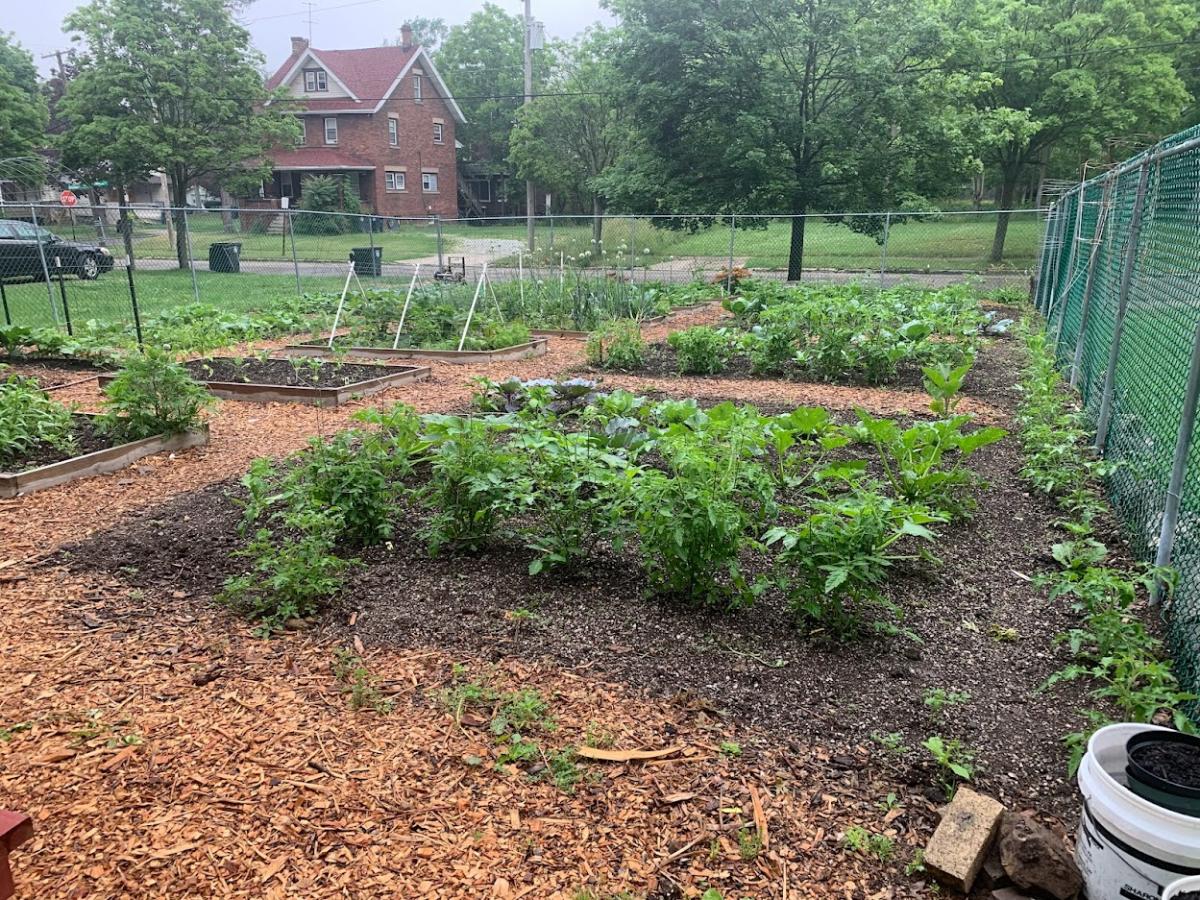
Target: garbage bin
[
  {"x": 225, "y": 256},
  {"x": 367, "y": 260}
]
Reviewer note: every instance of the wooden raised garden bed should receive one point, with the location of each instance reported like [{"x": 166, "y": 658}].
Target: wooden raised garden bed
[
  {"x": 560, "y": 333},
  {"x": 97, "y": 462},
  {"x": 536, "y": 347},
  {"x": 278, "y": 381}
]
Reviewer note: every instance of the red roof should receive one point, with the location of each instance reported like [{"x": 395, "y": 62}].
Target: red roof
[
  {"x": 367, "y": 72},
  {"x": 317, "y": 158}
]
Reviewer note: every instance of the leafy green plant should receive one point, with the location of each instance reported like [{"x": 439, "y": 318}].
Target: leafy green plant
[
  {"x": 924, "y": 463},
  {"x": 700, "y": 350},
  {"x": 954, "y": 761},
  {"x": 833, "y": 564},
  {"x": 289, "y": 578},
  {"x": 938, "y": 699},
  {"x": 356, "y": 680},
  {"x": 616, "y": 345},
  {"x": 30, "y": 419},
  {"x": 861, "y": 840},
  {"x": 152, "y": 394}
]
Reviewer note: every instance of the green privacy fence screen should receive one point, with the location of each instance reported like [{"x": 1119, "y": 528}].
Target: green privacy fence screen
[{"x": 1119, "y": 286}]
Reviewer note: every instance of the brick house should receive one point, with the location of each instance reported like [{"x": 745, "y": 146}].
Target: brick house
[{"x": 381, "y": 116}]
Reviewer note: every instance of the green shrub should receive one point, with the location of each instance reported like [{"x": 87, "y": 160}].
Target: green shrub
[
  {"x": 700, "y": 350},
  {"x": 832, "y": 566},
  {"x": 29, "y": 419},
  {"x": 152, "y": 394},
  {"x": 617, "y": 345}
]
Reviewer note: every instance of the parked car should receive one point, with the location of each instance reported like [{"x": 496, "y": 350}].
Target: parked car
[{"x": 21, "y": 258}]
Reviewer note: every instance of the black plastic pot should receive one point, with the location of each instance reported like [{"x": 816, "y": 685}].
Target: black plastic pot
[{"x": 1159, "y": 787}]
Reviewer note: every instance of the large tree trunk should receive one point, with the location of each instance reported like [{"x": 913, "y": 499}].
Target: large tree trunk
[
  {"x": 179, "y": 202},
  {"x": 1008, "y": 190},
  {"x": 597, "y": 223},
  {"x": 796, "y": 250}
]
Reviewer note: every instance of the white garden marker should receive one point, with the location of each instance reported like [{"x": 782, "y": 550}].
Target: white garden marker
[
  {"x": 407, "y": 300},
  {"x": 337, "y": 316},
  {"x": 471, "y": 312}
]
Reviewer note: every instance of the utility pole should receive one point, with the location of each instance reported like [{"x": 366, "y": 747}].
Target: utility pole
[{"x": 530, "y": 200}]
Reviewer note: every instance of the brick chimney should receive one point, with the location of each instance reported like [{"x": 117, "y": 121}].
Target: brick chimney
[
  {"x": 406, "y": 36},
  {"x": 299, "y": 44}
]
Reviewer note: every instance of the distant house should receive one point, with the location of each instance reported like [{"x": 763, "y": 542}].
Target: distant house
[{"x": 381, "y": 116}]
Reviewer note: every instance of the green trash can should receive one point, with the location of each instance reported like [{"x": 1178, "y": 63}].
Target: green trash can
[
  {"x": 225, "y": 256},
  {"x": 367, "y": 261}
]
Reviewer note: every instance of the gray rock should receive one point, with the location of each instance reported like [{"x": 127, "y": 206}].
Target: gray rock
[{"x": 1036, "y": 859}]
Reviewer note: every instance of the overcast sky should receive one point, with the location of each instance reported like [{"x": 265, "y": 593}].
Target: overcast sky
[{"x": 336, "y": 23}]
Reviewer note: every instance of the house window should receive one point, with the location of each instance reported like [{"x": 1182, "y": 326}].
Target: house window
[
  {"x": 417, "y": 87},
  {"x": 394, "y": 132},
  {"x": 393, "y": 181},
  {"x": 302, "y": 138},
  {"x": 315, "y": 80},
  {"x": 429, "y": 182},
  {"x": 331, "y": 130},
  {"x": 439, "y": 132}
]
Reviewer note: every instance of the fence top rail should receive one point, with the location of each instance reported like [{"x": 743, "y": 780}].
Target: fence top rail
[{"x": 255, "y": 210}]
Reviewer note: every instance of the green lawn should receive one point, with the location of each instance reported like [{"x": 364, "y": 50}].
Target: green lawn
[
  {"x": 408, "y": 241},
  {"x": 107, "y": 298},
  {"x": 951, "y": 243}
]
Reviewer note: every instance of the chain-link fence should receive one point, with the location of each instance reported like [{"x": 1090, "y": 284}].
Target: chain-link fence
[
  {"x": 97, "y": 270},
  {"x": 1119, "y": 285}
]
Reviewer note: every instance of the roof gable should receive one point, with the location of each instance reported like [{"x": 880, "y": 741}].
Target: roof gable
[{"x": 369, "y": 76}]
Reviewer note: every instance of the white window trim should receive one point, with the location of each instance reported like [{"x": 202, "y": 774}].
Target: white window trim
[
  {"x": 439, "y": 133},
  {"x": 318, "y": 75},
  {"x": 393, "y": 131},
  {"x": 302, "y": 141},
  {"x": 332, "y": 119},
  {"x": 425, "y": 189},
  {"x": 399, "y": 179},
  {"x": 418, "y": 94}
]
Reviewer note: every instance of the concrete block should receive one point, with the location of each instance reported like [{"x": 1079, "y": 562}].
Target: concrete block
[{"x": 956, "y": 851}]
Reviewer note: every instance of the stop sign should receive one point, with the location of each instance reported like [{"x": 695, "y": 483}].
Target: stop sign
[{"x": 68, "y": 198}]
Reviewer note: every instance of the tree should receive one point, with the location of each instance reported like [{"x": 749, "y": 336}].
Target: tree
[
  {"x": 172, "y": 86},
  {"x": 574, "y": 134},
  {"x": 429, "y": 33},
  {"x": 758, "y": 106},
  {"x": 22, "y": 108},
  {"x": 482, "y": 62},
  {"x": 1068, "y": 73}
]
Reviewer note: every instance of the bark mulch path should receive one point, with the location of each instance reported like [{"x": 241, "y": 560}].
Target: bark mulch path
[{"x": 165, "y": 751}]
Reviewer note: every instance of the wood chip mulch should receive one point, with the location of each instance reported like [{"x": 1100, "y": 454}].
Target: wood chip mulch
[{"x": 163, "y": 750}]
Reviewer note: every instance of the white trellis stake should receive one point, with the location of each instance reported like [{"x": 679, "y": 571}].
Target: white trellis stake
[{"x": 407, "y": 300}]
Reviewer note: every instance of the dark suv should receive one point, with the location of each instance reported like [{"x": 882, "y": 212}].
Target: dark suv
[{"x": 20, "y": 257}]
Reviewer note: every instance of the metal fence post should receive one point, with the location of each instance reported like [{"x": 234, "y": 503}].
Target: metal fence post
[
  {"x": 187, "y": 240},
  {"x": 371, "y": 239},
  {"x": 1114, "y": 352},
  {"x": 290, "y": 221},
  {"x": 4, "y": 303},
  {"x": 45, "y": 267},
  {"x": 137, "y": 316},
  {"x": 62, "y": 289},
  {"x": 729, "y": 267},
  {"x": 1183, "y": 443},
  {"x": 887, "y": 226},
  {"x": 1090, "y": 281}
]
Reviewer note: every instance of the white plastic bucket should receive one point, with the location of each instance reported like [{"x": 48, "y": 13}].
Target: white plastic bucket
[
  {"x": 1183, "y": 884},
  {"x": 1128, "y": 848}
]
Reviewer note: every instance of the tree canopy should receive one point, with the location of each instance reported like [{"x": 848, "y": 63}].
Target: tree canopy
[
  {"x": 22, "y": 107},
  {"x": 769, "y": 106},
  {"x": 569, "y": 137},
  {"x": 168, "y": 85},
  {"x": 1068, "y": 75},
  {"x": 482, "y": 61}
]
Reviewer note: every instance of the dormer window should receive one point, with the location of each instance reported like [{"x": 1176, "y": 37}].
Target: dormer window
[{"x": 315, "y": 80}]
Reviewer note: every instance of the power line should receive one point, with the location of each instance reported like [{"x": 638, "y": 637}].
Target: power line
[{"x": 311, "y": 9}]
